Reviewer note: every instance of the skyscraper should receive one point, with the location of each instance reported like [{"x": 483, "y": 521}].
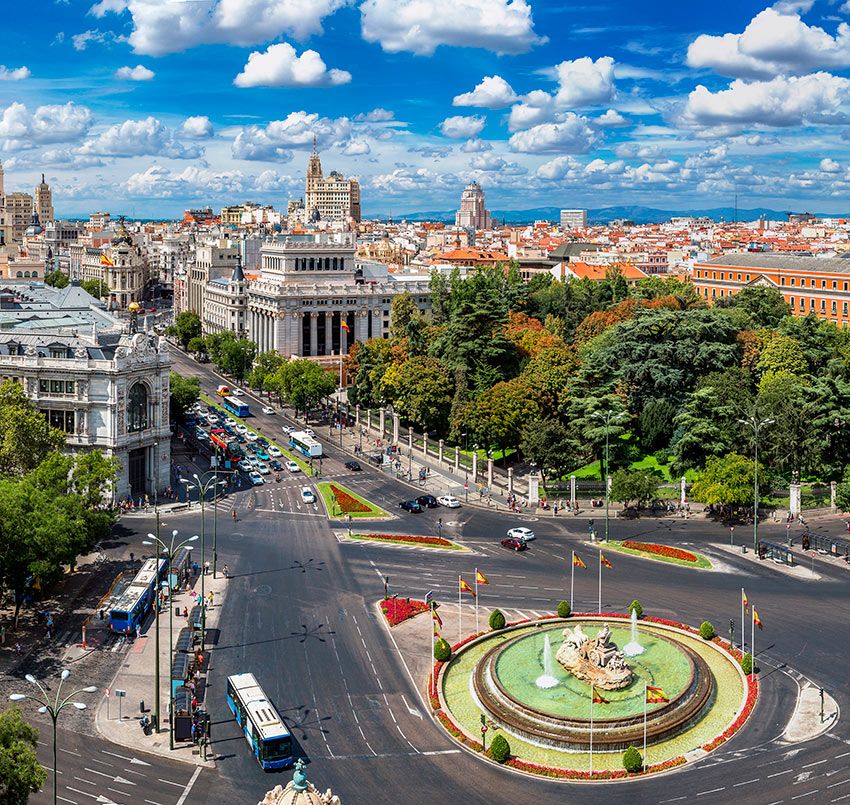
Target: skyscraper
[
  {"x": 44, "y": 202},
  {"x": 331, "y": 198},
  {"x": 472, "y": 213}
]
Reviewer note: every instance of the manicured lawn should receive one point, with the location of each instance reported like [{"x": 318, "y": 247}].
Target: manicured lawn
[
  {"x": 702, "y": 562},
  {"x": 441, "y": 543},
  {"x": 336, "y": 511}
]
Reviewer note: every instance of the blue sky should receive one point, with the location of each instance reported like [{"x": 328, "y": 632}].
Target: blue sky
[{"x": 148, "y": 107}]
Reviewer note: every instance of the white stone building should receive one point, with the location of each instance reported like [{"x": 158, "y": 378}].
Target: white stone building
[
  {"x": 472, "y": 213},
  {"x": 331, "y": 197}
]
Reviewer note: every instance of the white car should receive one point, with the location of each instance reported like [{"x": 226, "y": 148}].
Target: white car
[
  {"x": 521, "y": 532},
  {"x": 245, "y": 465},
  {"x": 251, "y": 436},
  {"x": 273, "y": 451},
  {"x": 237, "y": 392},
  {"x": 263, "y": 469},
  {"x": 253, "y": 460},
  {"x": 449, "y": 501},
  {"x": 307, "y": 495},
  {"x": 309, "y": 432},
  {"x": 292, "y": 466},
  {"x": 267, "y": 409},
  {"x": 241, "y": 429},
  {"x": 256, "y": 478},
  {"x": 287, "y": 429}
]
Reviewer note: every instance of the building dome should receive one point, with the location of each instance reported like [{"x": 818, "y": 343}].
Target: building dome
[
  {"x": 299, "y": 791},
  {"x": 122, "y": 235},
  {"x": 35, "y": 226}
]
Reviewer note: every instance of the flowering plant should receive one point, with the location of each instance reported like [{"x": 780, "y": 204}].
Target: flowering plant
[
  {"x": 660, "y": 550},
  {"x": 346, "y": 502},
  {"x": 397, "y": 610},
  {"x": 409, "y": 539}
]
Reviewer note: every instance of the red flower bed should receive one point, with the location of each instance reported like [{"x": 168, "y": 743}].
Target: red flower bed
[
  {"x": 397, "y": 610},
  {"x": 660, "y": 550},
  {"x": 346, "y": 502},
  {"x": 413, "y": 539}
]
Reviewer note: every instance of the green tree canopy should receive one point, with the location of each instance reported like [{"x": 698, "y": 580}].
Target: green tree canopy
[
  {"x": 765, "y": 307},
  {"x": 25, "y": 437},
  {"x": 186, "y": 326},
  {"x": 96, "y": 288},
  {"x": 496, "y": 417},
  {"x": 727, "y": 480},
  {"x": 421, "y": 392},
  {"x": 550, "y": 444},
  {"x": 303, "y": 383},
  {"x": 265, "y": 365},
  {"x": 185, "y": 392},
  {"x": 629, "y": 486},
  {"x": 20, "y": 772},
  {"x": 56, "y": 279}
]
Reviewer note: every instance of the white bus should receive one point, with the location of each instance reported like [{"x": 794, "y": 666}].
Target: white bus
[
  {"x": 268, "y": 737},
  {"x": 305, "y": 444}
]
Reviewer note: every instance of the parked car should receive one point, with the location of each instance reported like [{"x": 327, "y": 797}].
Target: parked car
[
  {"x": 309, "y": 432},
  {"x": 263, "y": 469},
  {"x": 427, "y": 501},
  {"x": 253, "y": 460},
  {"x": 276, "y": 465},
  {"x": 292, "y": 466},
  {"x": 237, "y": 392},
  {"x": 287, "y": 429},
  {"x": 354, "y": 466},
  {"x": 449, "y": 501},
  {"x": 262, "y": 455},
  {"x": 255, "y": 478},
  {"x": 514, "y": 544},
  {"x": 411, "y": 506},
  {"x": 521, "y": 532},
  {"x": 307, "y": 495},
  {"x": 240, "y": 428},
  {"x": 263, "y": 441},
  {"x": 267, "y": 409},
  {"x": 251, "y": 436},
  {"x": 245, "y": 465},
  {"x": 274, "y": 451},
  {"x": 240, "y": 438}
]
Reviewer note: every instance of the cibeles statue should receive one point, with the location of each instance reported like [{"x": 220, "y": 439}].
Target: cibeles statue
[{"x": 595, "y": 660}]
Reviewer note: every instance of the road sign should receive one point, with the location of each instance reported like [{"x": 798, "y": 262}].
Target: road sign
[
  {"x": 107, "y": 693},
  {"x": 428, "y": 596},
  {"x": 120, "y": 693}
]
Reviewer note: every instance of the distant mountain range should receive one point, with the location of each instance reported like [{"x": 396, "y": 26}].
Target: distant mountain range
[{"x": 640, "y": 215}]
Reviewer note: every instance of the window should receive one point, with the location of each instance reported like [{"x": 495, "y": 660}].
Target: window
[
  {"x": 845, "y": 308},
  {"x": 834, "y": 285},
  {"x": 823, "y": 283},
  {"x": 58, "y": 352},
  {"x": 56, "y": 386},
  {"x": 61, "y": 420},
  {"x": 137, "y": 408},
  {"x": 792, "y": 282},
  {"x": 834, "y": 306}
]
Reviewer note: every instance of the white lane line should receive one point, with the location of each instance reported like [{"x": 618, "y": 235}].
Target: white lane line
[
  {"x": 747, "y": 782},
  {"x": 152, "y": 802},
  {"x": 840, "y": 756},
  {"x": 69, "y": 752},
  {"x": 816, "y": 763},
  {"x": 780, "y": 773},
  {"x": 64, "y": 799},
  {"x": 83, "y": 780},
  {"x": 675, "y": 799},
  {"x": 712, "y": 791},
  {"x": 445, "y": 752},
  {"x": 189, "y": 786},
  {"x": 838, "y": 799},
  {"x": 133, "y": 760},
  {"x": 840, "y": 782},
  {"x": 170, "y": 782},
  {"x": 808, "y": 794}
]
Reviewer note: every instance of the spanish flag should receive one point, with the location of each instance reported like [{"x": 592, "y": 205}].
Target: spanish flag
[
  {"x": 437, "y": 619},
  {"x": 757, "y": 619},
  {"x": 604, "y": 562},
  {"x": 105, "y": 261},
  {"x": 577, "y": 561},
  {"x": 344, "y": 325},
  {"x": 597, "y": 697},
  {"x": 464, "y": 587},
  {"x": 655, "y": 695},
  {"x": 436, "y": 631},
  {"x": 744, "y": 599},
  {"x": 480, "y": 578}
]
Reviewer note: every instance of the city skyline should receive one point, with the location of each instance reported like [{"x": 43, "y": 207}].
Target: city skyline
[{"x": 147, "y": 109}]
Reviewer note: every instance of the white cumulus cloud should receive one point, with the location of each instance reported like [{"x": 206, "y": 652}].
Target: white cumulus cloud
[
  {"x": 476, "y": 146},
  {"x": 828, "y": 165},
  {"x": 493, "y": 92},
  {"x": 281, "y": 66},
  {"x": 296, "y": 130},
  {"x": 584, "y": 82},
  {"x": 138, "y": 138},
  {"x": 47, "y": 124},
  {"x": 462, "y": 126},
  {"x": 378, "y": 115},
  {"x": 571, "y": 135},
  {"x": 197, "y": 127},
  {"x": 14, "y": 74},
  {"x": 612, "y": 119},
  {"x": 137, "y": 73},
  {"x": 420, "y": 26},
  {"x": 357, "y": 148}
]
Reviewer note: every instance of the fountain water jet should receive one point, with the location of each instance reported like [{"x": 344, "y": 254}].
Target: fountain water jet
[
  {"x": 633, "y": 648},
  {"x": 548, "y": 679}
]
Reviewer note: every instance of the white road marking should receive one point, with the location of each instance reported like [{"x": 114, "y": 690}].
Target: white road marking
[
  {"x": 808, "y": 794},
  {"x": 816, "y": 763},
  {"x": 747, "y": 782},
  {"x": 780, "y": 773},
  {"x": 189, "y": 786},
  {"x": 712, "y": 791},
  {"x": 841, "y": 782}
]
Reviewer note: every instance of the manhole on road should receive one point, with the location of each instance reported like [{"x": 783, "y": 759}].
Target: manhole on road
[{"x": 263, "y": 589}]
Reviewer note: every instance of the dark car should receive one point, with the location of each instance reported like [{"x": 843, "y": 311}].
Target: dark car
[
  {"x": 411, "y": 506},
  {"x": 427, "y": 501},
  {"x": 514, "y": 544},
  {"x": 263, "y": 442},
  {"x": 240, "y": 438},
  {"x": 276, "y": 465},
  {"x": 353, "y": 466}
]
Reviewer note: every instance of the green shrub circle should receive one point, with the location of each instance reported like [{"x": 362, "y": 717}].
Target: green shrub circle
[
  {"x": 636, "y": 607},
  {"x": 442, "y": 650},
  {"x": 706, "y": 630},
  {"x": 632, "y": 760},
  {"x": 500, "y": 749},
  {"x": 564, "y": 610},
  {"x": 496, "y": 620}
]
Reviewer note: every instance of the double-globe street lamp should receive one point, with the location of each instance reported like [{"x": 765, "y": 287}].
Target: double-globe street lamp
[
  {"x": 756, "y": 424},
  {"x": 53, "y": 708},
  {"x": 607, "y": 417},
  {"x": 170, "y": 550},
  {"x": 203, "y": 488}
]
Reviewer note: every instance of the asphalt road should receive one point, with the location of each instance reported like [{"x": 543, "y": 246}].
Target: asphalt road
[{"x": 299, "y": 616}]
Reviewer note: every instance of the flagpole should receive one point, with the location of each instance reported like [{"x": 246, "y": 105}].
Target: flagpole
[
  {"x": 459, "y": 632},
  {"x": 753, "y": 646},
  {"x": 431, "y": 663},
  {"x": 600, "y": 582},
  {"x": 645, "y": 692},
  {"x": 572, "y": 579},
  {"x": 591, "y": 730},
  {"x": 743, "y": 624},
  {"x": 476, "y": 600}
]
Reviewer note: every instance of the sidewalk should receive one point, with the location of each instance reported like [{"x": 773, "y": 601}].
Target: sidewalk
[{"x": 137, "y": 678}]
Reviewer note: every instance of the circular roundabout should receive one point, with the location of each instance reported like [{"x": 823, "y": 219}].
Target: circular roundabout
[{"x": 570, "y": 701}]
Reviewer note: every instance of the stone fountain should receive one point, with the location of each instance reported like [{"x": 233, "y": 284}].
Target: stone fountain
[
  {"x": 548, "y": 679},
  {"x": 595, "y": 660},
  {"x": 633, "y": 648}
]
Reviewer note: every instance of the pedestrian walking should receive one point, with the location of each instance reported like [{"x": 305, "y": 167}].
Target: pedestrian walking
[
  {"x": 226, "y": 572},
  {"x": 207, "y": 567},
  {"x": 210, "y": 598},
  {"x": 17, "y": 648}
]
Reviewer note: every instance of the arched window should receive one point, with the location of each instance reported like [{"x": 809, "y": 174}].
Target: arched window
[
  {"x": 137, "y": 408},
  {"x": 20, "y": 275}
]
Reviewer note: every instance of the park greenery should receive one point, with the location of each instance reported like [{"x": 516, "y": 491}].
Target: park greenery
[
  {"x": 185, "y": 392},
  {"x": 544, "y": 370},
  {"x": 56, "y": 279},
  {"x": 20, "y": 772},
  {"x": 496, "y": 620},
  {"x": 51, "y": 503}
]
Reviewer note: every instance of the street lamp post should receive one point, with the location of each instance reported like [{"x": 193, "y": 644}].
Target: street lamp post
[
  {"x": 171, "y": 551},
  {"x": 756, "y": 424},
  {"x": 53, "y": 709},
  {"x": 607, "y": 417}
]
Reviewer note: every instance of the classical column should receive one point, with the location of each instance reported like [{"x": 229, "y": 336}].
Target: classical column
[
  {"x": 457, "y": 459},
  {"x": 361, "y": 325},
  {"x": 833, "y": 488},
  {"x": 314, "y": 334},
  {"x": 410, "y": 439},
  {"x": 329, "y": 333},
  {"x": 395, "y": 428},
  {"x": 533, "y": 489},
  {"x": 357, "y": 416},
  {"x": 474, "y": 466},
  {"x": 510, "y": 480},
  {"x": 573, "y": 491},
  {"x": 382, "y": 415},
  {"x": 343, "y": 335},
  {"x": 425, "y": 443},
  {"x": 489, "y": 473},
  {"x": 440, "y": 446}
]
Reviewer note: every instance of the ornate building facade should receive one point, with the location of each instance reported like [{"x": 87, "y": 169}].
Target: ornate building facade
[
  {"x": 331, "y": 197},
  {"x": 472, "y": 213}
]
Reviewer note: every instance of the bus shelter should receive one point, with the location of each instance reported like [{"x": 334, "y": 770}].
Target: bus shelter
[{"x": 776, "y": 553}]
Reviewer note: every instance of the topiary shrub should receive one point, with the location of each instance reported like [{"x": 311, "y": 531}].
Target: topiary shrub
[
  {"x": 632, "y": 760},
  {"x": 636, "y": 607},
  {"x": 442, "y": 650},
  {"x": 563, "y": 609},
  {"x": 500, "y": 749},
  {"x": 496, "y": 620},
  {"x": 747, "y": 663},
  {"x": 706, "y": 630}
]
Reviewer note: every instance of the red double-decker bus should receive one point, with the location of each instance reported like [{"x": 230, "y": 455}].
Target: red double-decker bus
[{"x": 230, "y": 449}]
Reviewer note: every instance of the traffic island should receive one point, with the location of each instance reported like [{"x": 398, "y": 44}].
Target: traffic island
[
  {"x": 403, "y": 541},
  {"x": 342, "y": 503},
  {"x": 659, "y": 553}
]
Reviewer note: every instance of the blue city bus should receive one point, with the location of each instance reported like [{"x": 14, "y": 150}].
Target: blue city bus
[
  {"x": 235, "y": 406},
  {"x": 268, "y": 737},
  {"x": 304, "y": 443},
  {"x": 131, "y": 607}
]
